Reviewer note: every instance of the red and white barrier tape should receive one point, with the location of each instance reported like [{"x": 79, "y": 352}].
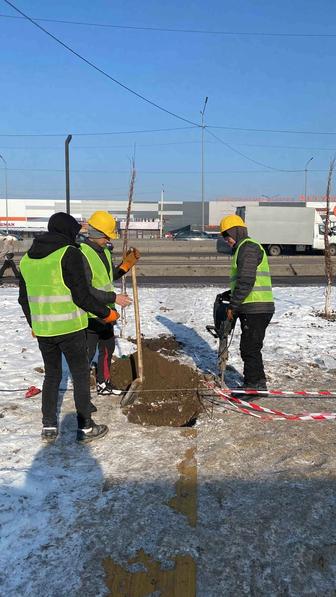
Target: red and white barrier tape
[
  {"x": 303, "y": 393},
  {"x": 268, "y": 413}
]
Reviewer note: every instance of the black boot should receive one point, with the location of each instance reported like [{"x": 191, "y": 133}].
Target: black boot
[
  {"x": 88, "y": 430},
  {"x": 49, "y": 434}
]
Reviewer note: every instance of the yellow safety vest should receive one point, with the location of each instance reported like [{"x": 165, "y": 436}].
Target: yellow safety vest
[
  {"x": 262, "y": 289},
  {"x": 52, "y": 309},
  {"x": 100, "y": 277}
]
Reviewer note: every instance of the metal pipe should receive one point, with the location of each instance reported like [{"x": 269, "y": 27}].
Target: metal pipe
[
  {"x": 161, "y": 213},
  {"x": 6, "y": 190},
  {"x": 305, "y": 178},
  {"x": 202, "y": 160},
  {"x": 67, "y": 175}
]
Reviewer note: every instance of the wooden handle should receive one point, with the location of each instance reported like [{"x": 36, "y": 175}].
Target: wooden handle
[{"x": 137, "y": 322}]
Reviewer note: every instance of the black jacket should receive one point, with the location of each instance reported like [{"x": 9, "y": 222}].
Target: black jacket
[
  {"x": 62, "y": 232},
  {"x": 249, "y": 257}
]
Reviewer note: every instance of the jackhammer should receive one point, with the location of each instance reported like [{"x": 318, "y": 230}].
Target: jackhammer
[{"x": 222, "y": 329}]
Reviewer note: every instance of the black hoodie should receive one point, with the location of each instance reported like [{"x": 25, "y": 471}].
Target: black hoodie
[{"x": 62, "y": 232}]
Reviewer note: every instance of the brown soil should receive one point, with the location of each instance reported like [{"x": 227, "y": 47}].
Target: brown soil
[
  {"x": 168, "y": 345},
  {"x": 169, "y": 393}
]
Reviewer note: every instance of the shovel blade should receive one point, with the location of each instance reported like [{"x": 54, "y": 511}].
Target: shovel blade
[{"x": 132, "y": 393}]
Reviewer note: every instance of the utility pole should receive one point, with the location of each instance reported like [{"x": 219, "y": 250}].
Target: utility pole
[
  {"x": 202, "y": 160},
  {"x": 161, "y": 212},
  {"x": 6, "y": 192},
  {"x": 67, "y": 175},
  {"x": 305, "y": 178}
]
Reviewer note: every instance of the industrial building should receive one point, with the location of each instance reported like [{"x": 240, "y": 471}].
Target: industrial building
[{"x": 31, "y": 215}]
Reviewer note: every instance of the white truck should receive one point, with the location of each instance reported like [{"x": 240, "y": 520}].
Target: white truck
[{"x": 281, "y": 229}]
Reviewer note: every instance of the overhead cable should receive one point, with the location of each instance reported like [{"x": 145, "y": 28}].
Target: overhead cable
[
  {"x": 102, "y": 134},
  {"x": 100, "y": 70},
  {"x": 246, "y": 157},
  {"x": 178, "y": 30},
  {"x": 254, "y": 130}
]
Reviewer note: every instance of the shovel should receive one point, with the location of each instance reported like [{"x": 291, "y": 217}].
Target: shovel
[{"x": 133, "y": 391}]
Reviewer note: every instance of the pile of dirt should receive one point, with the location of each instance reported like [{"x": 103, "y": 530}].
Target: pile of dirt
[
  {"x": 169, "y": 394},
  {"x": 168, "y": 345}
]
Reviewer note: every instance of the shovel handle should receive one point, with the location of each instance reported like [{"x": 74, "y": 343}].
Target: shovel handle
[{"x": 137, "y": 322}]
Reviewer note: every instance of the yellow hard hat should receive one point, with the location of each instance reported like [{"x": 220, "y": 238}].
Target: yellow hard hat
[
  {"x": 230, "y": 221},
  {"x": 104, "y": 222}
]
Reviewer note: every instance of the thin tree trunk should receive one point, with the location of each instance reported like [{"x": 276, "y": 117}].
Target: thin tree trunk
[{"x": 125, "y": 243}]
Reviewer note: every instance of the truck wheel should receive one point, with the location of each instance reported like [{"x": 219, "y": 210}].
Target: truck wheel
[
  {"x": 332, "y": 250},
  {"x": 274, "y": 250}
]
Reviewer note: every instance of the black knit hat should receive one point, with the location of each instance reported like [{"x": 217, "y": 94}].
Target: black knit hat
[{"x": 64, "y": 224}]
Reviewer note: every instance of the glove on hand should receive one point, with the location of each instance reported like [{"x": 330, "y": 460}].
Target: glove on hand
[
  {"x": 131, "y": 258},
  {"x": 112, "y": 316}
]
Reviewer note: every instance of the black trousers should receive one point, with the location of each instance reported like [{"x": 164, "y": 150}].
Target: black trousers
[
  {"x": 102, "y": 336},
  {"x": 74, "y": 348},
  {"x": 253, "y": 328},
  {"x": 9, "y": 263}
]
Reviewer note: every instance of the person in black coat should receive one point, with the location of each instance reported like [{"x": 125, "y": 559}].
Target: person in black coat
[{"x": 62, "y": 232}]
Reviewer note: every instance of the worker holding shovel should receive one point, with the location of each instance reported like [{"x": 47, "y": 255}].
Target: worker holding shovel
[
  {"x": 100, "y": 274},
  {"x": 251, "y": 297}
]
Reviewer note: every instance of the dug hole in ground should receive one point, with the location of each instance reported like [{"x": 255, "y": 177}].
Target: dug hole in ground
[{"x": 231, "y": 505}]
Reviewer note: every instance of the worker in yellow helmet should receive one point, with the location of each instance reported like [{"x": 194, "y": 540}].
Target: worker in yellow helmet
[
  {"x": 250, "y": 297},
  {"x": 100, "y": 275}
]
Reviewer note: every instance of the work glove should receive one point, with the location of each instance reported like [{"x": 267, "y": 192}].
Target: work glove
[
  {"x": 112, "y": 317},
  {"x": 33, "y": 334},
  {"x": 131, "y": 258}
]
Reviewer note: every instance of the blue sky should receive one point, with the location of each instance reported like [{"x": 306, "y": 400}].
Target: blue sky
[{"x": 257, "y": 82}]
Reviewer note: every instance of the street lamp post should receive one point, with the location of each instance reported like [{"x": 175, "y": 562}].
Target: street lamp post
[
  {"x": 6, "y": 193},
  {"x": 161, "y": 212},
  {"x": 202, "y": 160},
  {"x": 67, "y": 174},
  {"x": 305, "y": 177}
]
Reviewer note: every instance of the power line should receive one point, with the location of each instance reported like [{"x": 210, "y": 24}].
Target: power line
[
  {"x": 61, "y": 147},
  {"x": 193, "y": 172},
  {"x": 162, "y": 130},
  {"x": 287, "y": 131},
  {"x": 246, "y": 157},
  {"x": 263, "y": 145},
  {"x": 99, "y": 70},
  {"x": 178, "y": 30},
  {"x": 134, "y": 132}
]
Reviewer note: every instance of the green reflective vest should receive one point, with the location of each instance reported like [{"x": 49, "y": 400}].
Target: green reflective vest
[
  {"x": 101, "y": 280},
  {"x": 262, "y": 289},
  {"x": 52, "y": 309}
]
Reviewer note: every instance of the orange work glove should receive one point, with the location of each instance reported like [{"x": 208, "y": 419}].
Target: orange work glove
[
  {"x": 131, "y": 258},
  {"x": 33, "y": 334},
  {"x": 112, "y": 316}
]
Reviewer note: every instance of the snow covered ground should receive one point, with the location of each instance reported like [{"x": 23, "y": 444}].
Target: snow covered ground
[{"x": 266, "y": 508}]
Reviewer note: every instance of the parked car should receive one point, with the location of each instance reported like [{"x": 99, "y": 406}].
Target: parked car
[
  {"x": 191, "y": 235},
  {"x": 172, "y": 233}
]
